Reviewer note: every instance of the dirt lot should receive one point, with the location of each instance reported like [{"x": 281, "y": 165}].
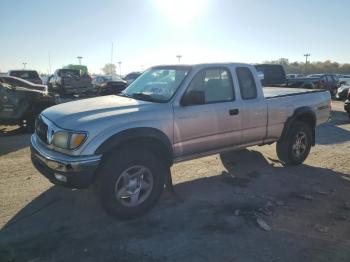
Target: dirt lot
[{"x": 213, "y": 215}]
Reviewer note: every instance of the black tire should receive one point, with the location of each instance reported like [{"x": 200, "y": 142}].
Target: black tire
[
  {"x": 114, "y": 165},
  {"x": 284, "y": 147}
]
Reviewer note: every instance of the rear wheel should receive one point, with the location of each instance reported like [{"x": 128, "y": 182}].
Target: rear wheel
[
  {"x": 130, "y": 182},
  {"x": 294, "y": 148}
]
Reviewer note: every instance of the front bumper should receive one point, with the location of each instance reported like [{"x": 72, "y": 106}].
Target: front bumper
[{"x": 70, "y": 171}]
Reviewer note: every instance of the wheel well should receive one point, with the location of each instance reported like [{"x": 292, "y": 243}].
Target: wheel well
[
  {"x": 302, "y": 115},
  {"x": 152, "y": 144},
  {"x": 308, "y": 118}
]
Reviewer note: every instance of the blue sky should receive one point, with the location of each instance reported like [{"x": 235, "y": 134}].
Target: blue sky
[{"x": 149, "y": 32}]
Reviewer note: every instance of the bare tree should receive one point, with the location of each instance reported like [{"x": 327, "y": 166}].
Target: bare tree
[{"x": 109, "y": 69}]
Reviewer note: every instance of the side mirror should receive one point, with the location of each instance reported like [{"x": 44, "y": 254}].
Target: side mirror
[
  {"x": 261, "y": 75},
  {"x": 193, "y": 97}
]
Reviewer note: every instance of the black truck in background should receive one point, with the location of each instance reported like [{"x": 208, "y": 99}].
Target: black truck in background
[
  {"x": 70, "y": 82},
  {"x": 274, "y": 75}
]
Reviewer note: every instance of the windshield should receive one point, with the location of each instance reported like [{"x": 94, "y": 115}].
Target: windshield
[
  {"x": 69, "y": 73},
  {"x": 25, "y": 74},
  {"x": 157, "y": 84},
  {"x": 114, "y": 78}
]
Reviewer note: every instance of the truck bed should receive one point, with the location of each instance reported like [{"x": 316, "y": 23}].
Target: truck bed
[{"x": 273, "y": 92}]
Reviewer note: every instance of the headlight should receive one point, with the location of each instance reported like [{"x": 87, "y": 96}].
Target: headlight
[{"x": 68, "y": 140}]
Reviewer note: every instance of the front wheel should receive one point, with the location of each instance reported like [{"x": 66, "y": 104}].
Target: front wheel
[
  {"x": 294, "y": 148},
  {"x": 130, "y": 182}
]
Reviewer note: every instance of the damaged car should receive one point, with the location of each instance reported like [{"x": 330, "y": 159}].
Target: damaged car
[{"x": 20, "y": 105}]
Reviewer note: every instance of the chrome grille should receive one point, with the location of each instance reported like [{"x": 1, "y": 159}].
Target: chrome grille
[{"x": 41, "y": 129}]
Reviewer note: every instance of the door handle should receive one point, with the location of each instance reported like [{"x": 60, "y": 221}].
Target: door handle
[{"x": 234, "y": 111}]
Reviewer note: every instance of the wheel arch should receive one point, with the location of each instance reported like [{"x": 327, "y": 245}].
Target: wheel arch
[
  {"x": 150, "y": 138},
  {"x": 302, "y": 114}
]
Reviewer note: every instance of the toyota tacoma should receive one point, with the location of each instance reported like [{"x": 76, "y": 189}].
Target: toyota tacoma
[{"x": 125, "y": 144}]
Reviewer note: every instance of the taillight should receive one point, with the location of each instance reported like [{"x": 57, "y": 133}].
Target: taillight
[{"x": 349, "y": 94}]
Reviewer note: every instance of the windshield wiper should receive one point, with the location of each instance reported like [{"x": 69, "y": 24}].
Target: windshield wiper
[
  {"x": 123, "y": 94},
  {"x": 144, "y": 96}
]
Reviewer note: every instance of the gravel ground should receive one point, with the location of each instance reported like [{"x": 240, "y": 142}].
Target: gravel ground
[{"x": 238, "y": 206}]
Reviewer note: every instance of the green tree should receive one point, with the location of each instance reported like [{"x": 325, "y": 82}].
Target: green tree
[{"x": 312, "y": 68}]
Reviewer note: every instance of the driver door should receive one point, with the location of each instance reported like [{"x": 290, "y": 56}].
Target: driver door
[{"x": 213, "y": 123}]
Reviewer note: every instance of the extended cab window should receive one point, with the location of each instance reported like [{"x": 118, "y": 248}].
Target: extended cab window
[
  {"x": 215, "y": 83},
  {"x": 246, "y": 83}
]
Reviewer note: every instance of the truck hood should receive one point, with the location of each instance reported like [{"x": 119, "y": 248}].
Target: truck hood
[{"x": 75, "y": 115}]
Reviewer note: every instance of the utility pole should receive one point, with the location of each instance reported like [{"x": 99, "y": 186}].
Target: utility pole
[
  {"x": 120, "y": 68},
  {"x": 24, "y": 65},
  {"x": 111, "y": 60},
  {"x": 179, "y": 58},
  {"x": 306, "y": 56},
  {"x": 79, "y": 58}
]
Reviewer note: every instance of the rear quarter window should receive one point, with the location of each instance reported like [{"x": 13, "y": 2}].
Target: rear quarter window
[{"x": 247, "y": 83}]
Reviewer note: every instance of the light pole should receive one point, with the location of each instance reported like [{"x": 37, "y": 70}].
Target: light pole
[
  {"x": 79, "y": 59},
  {"x": 24, "y": 65},
  {"x": 306, "y": 56},
  {"x": 179, "y": 57},
  {"x": 120, "y": 68},
  {"x": 49, "y": 63}
]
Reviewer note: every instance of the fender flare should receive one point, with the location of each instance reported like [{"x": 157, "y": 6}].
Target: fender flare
[
  {"x": 301, "y": 113},
  {"x": 136, "y": 135}
]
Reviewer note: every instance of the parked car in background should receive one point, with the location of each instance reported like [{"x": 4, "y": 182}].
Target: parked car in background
[
  {"x": 347, "y": 103},
  {"x": 131, "y": 77},
  {"x": 127, "y": 143},
  {"x": 21, "y": 105},
  {"x": 291, "y": 76},
  {"x": 343, "y": 89},
  {"x": 344, "y": 80},
  {"x": 70, "y": 82},
  {"x": 109, "y": 85},
  {"x": 328, "y": 81},
  {"x": 29, "y": 75},
  {"x": 45, "y": 79},
  {"x": 18, "y": 82},
  {"x": 305, "y": 82},
  {"x": 274, "y": 75}
]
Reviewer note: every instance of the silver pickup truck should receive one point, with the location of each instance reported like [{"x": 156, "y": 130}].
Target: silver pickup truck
[{"x": 125, "y": 144}]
